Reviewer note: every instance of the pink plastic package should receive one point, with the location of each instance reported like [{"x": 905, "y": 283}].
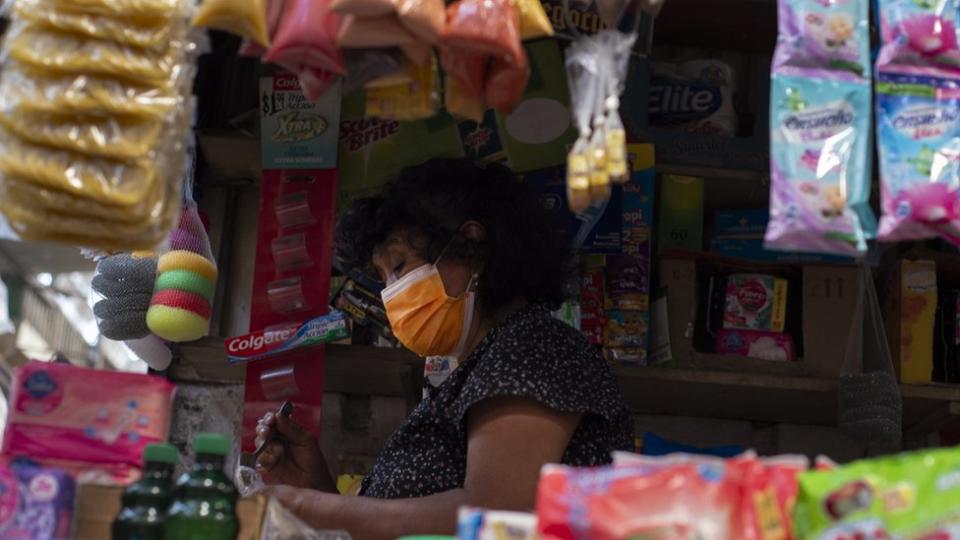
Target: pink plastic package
[
  {"x": 918, "y": 136},
  {"x": 62, "y": 412},
  {"x": 306, "y": 36},
  {"x": 275, "y": 9}
]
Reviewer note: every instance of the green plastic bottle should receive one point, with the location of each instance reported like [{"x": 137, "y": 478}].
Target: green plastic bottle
[
  {"x": 145, "y": 503},
  {"x": 205, "y": 502}
]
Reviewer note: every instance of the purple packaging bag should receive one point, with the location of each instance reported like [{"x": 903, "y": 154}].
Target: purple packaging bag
[
  {"x": 36, "y": 503},
  {"x": 823, "y": 38}
]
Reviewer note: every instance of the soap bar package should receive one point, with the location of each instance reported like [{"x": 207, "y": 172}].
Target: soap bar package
[
  {"x": 755, "y": 302},
  {"x": 35, "y": 503}
]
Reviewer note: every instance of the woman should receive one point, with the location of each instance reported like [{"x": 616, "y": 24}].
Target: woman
[{"x": 471, "y": 264}]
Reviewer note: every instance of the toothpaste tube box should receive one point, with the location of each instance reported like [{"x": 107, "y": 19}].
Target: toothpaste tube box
[
  {"x": 278, "y": 341},
  {"x": 755, "y": 302},
  {"x": 36, "y": 503},
  {"x": 756, "y": 344}
]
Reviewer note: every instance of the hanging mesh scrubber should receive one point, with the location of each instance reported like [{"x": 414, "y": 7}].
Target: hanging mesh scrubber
[
  {"x": 126, "y": 284},
  {"x": 870, "y": 406},
  {"x": 180, "y": 309}
]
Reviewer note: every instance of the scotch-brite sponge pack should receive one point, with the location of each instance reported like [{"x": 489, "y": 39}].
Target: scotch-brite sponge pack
[
  {"x": 181, "y": 306},
  {"x": 820, "y": 113},
  {"x": 95, "y": 111},
  {"x": 918, "y": 120}
]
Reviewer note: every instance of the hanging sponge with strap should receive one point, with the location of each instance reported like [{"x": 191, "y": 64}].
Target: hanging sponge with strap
[{"x": 181, "y": 306}]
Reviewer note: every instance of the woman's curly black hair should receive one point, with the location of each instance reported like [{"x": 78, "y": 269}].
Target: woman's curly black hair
[{"x": 523, "y": 255}]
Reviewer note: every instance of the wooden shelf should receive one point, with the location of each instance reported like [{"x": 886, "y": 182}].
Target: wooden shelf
[
  {"x": 349, "y": 369},
  {"x": 771, "y": 398},
  {"x": 660, "y": 391}
]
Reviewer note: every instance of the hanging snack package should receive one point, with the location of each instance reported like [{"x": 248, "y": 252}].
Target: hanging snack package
[
  {"x": 245, "y": 18},
  {"x": 506, "y": 83},
  {"x": 918, "y": 102},
  {"x": 56, "y": 52},
  {"x": 306, "y": 36},
  {"x": 485, "y": 26},
  {"x": 820, "y": 131},
  {"x": 147, "y": 34},
  {"x": 919, "y": 37},
  {"x": 26, "y": 90},
  {"x": 468, "y": 69},
  {"x": 425, "y": 19},
  {"x": 156, "y": 11},
  {"x": 372, "y": 32},
  {"x": 818, "y": 37},
  {"x": 364, "y": 8},
  {"x": 912, "y": 495},
  {"x": 583, "y": 77},
  {"x": 415, "y": 100},
  {"x": 534, "y": 23},
  {"x": 105, "y": 90},
  {"x": 819, "y": 166}
]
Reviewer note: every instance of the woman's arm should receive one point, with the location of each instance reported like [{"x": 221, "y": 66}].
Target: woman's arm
[{"x": 509, "y": 440}]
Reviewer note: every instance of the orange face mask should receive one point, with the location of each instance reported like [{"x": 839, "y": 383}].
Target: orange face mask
[{"x": 424, "y": 318}]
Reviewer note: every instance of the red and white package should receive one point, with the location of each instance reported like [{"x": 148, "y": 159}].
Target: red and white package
[
  {"x": 768, "y": 494},
  {"x": 676, "y": 502}
]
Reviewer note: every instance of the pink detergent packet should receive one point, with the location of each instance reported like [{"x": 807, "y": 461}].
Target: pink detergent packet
[
  {"x": 62, "y": 412},
  {"x": 820, "y": 113},
  {"x": 823, "y": 38},
  {"x": 306, "y": 36},
  {"x": 919, "y": 37},
  {"x": 36, "y": 503},
  {"x": 918, "y": 121}
]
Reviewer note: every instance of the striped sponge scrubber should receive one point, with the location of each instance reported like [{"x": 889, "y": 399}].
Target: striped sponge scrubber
[{"x": 182, "y": 301}]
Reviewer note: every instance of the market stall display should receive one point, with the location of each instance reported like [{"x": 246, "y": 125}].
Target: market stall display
[{"x": 709, "y": 292}]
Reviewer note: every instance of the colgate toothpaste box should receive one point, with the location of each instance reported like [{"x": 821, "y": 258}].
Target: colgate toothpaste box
[
  {"x": 286, "y": 338},
  {"x": 755, "y": 302}
]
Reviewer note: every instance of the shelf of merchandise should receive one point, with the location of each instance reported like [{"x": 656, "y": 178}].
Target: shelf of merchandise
[{"x": 668, "y": 391}]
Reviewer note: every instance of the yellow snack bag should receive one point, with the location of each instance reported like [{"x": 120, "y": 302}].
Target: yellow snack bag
[
  {"x": 245, "y": 18},
  {"x": 158, "y": 10},
  {"x": 56, "y": 201},
  {"x": 410, "y": 101},
  {"x": 460, "y": 105},
  {"x": 112, "y": 137},
  {"x": 129, "y": 30},
  {"x": 108, "y": 181},
  {"x": 534, "y": 22},
  {"x": 33, "y": 221},
  {"x": 23, "y": 89},
  {"x": 70, "y": 53}
]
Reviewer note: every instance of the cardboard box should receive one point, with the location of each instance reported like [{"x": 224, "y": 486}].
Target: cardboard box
[
  {"x": 831, "y": 322},
  {"x": 96, "y": 507},
  {"x": 910, "y": 314}
]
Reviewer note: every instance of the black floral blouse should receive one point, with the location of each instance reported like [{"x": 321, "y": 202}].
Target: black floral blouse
[{"x": 531, "y": 355}]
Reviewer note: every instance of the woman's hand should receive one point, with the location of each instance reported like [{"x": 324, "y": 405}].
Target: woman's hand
[{"x": 292, "y": 457}]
